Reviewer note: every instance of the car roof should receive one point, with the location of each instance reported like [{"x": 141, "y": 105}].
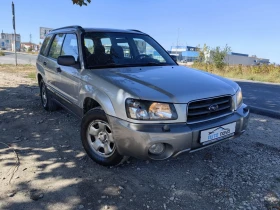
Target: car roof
[
  {"x": 112, "y": 30},
  {"x": 73, "y": 28}
]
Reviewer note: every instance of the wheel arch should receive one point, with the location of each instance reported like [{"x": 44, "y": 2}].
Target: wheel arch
[
  {"x": 39, "y": 78},
  {"x": 98, "y": 99}
]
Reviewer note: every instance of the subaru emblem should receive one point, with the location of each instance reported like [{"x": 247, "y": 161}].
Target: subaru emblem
[{"x": 213, "y": 107}]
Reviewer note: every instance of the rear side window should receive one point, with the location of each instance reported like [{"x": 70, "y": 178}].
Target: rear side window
[
  {"x": 56, "y": 46},
  {"x": 70, "y": 46},
  {"x": 89, "y": 45},
  {"x": 123, "y": 42},
  {"x": 106, "y": 42},
  {"x": 46, "y": 42}
]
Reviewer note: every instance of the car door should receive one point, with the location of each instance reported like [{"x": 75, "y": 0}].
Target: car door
[
  {"x": 41, "y": 59},
  {"x": 50, "y": 63},
  {"x": 70, "y": 75}
]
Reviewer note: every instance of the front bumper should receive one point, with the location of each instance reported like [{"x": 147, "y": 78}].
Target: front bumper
[{"x": 135, "y": 139}]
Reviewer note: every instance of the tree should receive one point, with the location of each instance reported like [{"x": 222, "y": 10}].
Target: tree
[
  {"x": 81, "y": 2},
  {"x": 218, "y": 56},
  {"x": 203, "y": 54}
]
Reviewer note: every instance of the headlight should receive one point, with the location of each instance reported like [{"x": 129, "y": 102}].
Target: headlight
[
  {"x": 147, "y": 110},
  {"x": 239, "y": 98}
]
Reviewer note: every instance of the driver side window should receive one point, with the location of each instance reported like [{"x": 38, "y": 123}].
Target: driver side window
[{"x": 145, "y": 49}]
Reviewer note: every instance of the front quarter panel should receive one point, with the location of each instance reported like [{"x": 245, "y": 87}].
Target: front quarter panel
[
  {"x": 90, "y": 91},
  {"x": 111, "y": 98}
]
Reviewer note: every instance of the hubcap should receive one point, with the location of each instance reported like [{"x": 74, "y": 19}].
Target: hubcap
[
  {"x": 100, "y": 138},
  {"x": 44, "y": 95}
]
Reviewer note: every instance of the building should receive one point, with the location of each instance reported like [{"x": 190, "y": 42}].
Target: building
[
  {"x": 185, "y": 53},
  {"x": 26, "y": 46},
  {"x": 7, "y": 41},
  {"x": 189, "y": 54},
  {"x": 233, "y": 58}
]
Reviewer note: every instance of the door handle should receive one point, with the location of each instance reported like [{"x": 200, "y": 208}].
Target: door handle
[
  {"x": 45, "y": 63},
  {"x": 58, "y": 69}
]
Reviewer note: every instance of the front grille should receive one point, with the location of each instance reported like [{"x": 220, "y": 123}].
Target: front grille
[{"x": 199, "y": 110}]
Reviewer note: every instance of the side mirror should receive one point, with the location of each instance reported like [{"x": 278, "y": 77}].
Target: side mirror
[
  {"x": 66, "y": 60},
  {"x": 174, "y": 57}
]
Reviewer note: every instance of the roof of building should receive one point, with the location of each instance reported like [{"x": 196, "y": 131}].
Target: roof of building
[{"x": 240, "y": 54}]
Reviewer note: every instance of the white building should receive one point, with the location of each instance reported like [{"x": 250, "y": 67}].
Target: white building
[{"x": 7, "y": 41}]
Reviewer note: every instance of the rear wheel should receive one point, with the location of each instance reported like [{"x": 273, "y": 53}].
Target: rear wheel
[
  {"x": 47, "y": 102},
  {"x": 97, "y": 139}
]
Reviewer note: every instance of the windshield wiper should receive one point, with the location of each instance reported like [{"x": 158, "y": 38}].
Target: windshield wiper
[
  {"x": 111, "y": 65},
  {"x": 154, "y": 64}
]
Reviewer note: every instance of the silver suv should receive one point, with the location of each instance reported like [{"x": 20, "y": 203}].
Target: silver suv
[{"x": 133, "y": 98}]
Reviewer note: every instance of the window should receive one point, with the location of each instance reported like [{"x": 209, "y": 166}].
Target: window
[
  {"x": 106, "y": 42},
  {"x": 70, "y": 46},
  {"x": 123, "y": 49},
  {"x": 126, "y": 49},
  {"x": 46, "y": 42},
  {"x": 146, "y": 49},
  {"x": 89, "y": 45},
  {"x": 123, "y": 42},
  {"x": 56, "y": 46}
]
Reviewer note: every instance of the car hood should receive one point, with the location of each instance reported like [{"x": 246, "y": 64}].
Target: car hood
[{"x": 175, "y": 84}]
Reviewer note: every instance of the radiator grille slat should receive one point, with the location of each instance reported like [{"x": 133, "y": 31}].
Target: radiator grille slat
[{"x": 199, "y": 110}]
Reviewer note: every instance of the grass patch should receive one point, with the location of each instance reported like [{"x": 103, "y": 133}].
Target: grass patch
[
  {"x": 263, "y": 73},
  {"x": 27, "y": 70},
  {"x": 2, "y": 53},
  {"x": 32, "y": 75}
]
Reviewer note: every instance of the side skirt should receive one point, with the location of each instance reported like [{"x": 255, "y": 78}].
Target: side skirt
[{"x": 66, "y": 104}]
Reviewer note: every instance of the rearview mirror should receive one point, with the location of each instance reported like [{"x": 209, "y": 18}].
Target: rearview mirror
[{"x": 66, "y": 60}]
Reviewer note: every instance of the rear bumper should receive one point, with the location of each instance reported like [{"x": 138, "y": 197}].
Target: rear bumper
[{"x": 135, "y": 139}]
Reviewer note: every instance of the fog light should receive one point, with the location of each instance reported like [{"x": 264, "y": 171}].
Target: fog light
[{"x": 156, "y": 149}]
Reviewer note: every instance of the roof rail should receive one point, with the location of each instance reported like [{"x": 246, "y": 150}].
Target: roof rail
[
  {"x": 75, "y": 27},
  {"x": 136, "y": 30}
]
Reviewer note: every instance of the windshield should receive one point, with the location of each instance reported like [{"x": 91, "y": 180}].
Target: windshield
[{"x": 123, "y": 50}]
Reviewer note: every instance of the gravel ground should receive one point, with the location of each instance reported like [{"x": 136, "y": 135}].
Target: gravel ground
[{"x": 55, "y": 173}]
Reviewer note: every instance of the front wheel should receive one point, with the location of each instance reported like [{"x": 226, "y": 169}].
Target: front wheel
[{"x": 97, "y": 139}]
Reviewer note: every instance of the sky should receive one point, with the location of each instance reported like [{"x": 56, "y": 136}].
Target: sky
[{"x": 247, "y": 26}]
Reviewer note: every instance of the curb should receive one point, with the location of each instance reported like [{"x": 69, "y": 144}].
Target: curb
[
  {"x": 265, "y": 112},
  {"x": 254, "y": 81}
]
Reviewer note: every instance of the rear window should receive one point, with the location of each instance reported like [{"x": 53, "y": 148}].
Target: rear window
[{"x": 46, "y": 42}]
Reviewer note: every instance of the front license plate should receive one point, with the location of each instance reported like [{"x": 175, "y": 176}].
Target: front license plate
[{"x": 217, "y": 133}]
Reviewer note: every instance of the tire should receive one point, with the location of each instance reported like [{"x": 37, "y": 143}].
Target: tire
[
  {"x": 47, "y": 102},
  {"x": 97, "y": 139}
]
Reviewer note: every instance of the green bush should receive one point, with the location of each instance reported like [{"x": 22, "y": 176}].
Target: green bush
[{"x": 2, "y": 53}]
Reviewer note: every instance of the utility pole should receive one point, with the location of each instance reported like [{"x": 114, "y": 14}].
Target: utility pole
[{"x": 14, "y": 26}]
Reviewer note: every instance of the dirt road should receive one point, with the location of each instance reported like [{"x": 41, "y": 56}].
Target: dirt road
[{"x": 55, "y": 173}]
